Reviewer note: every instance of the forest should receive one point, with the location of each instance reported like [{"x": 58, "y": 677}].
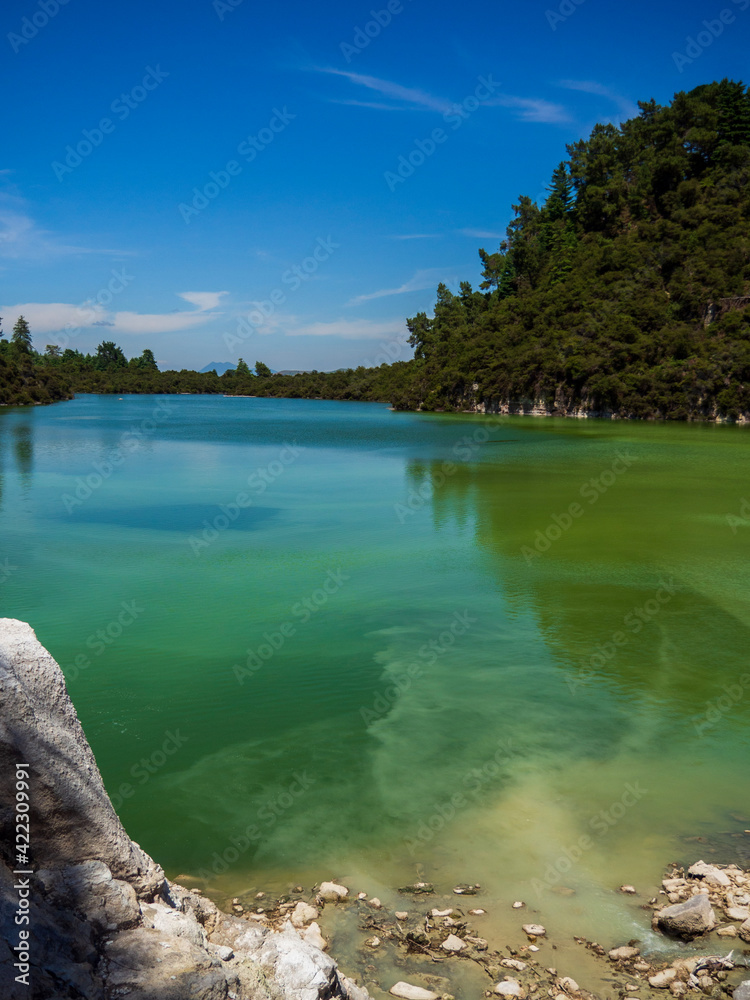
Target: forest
[{"x": 625, "y": 293}]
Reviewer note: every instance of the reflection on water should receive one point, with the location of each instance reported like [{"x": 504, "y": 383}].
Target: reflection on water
[{"x": 517, "y": 682}]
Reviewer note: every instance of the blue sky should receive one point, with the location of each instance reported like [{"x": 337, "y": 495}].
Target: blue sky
[{"x": 308, "y": 248}]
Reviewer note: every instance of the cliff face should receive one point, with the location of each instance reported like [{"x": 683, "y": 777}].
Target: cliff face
[{"x": 96, "y": 919}]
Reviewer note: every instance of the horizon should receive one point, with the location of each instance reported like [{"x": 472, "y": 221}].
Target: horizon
[{"x": 295, "y": 204}]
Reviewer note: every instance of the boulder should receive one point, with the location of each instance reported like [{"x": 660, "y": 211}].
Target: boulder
[
  {"x": 738, "y": 913},
  {"x": 313, "y": 936},
  {"x": 534, "y": 930},
  {"x": 742, "y": 992},
  {"x": 710, "y": 874},
  {"x": 303, "y": 914},
  {"x": 510, "y": 988},
  {"x": 689, "y": 919}
]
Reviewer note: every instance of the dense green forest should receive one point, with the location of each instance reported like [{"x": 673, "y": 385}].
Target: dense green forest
[{"x": 625, "y": 292}]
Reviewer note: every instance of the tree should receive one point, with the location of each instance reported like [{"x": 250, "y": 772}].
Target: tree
[
  {"x": 560, "y": 200},
  {"x": 22, "y": 335},
  {"x": 109, "y": 355},
  {"x": 147, "y": 361},
  {"x": 261, "y": 370},
  {"x": 242, "y": 368},
  {"x": 52, "y": 351}
]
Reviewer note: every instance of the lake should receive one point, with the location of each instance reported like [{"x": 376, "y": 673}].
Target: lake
[{"x": 311, "y": 639}]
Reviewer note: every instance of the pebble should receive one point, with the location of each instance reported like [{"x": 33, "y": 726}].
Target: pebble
[
  {"x": 373, "y": 942},
  {"x": 728, "y": 932},
  {"x": 260, "y": 895},
  {"x": 375, "y": 903},
  {"x": 408, "y": 992},
  {"x": 440, "y": 913},
  {"x": 623, "y": 954},
  {"x": 361, "y": 895},
  {"x": 402, "y": 915},
  {"x": 453, "y": 944},
  {"x": 632, "y": 987},
  {"x": 534, "y": 930},
  {"x": 629, "y": 889},
  {"x": 477, "y": 913},
  {"x": 518, "y": 904},
  {"x": 298, "y": 888},
  {"x": 569, "y": 985},
  {"x": 514, "y": 963},
  {"x": 533, "y": 947},
  {"x": 303, "y": 914}
]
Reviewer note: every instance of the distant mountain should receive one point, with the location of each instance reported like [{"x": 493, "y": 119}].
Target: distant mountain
[
  {"x": 293, "y": 371},
  {"x": 219, "y": 367}
]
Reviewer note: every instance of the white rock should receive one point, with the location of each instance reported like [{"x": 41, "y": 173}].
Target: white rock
[
  {"x": 402, "y": 915},
  {"x": 313, "y": 936},
  {"x": 738, "y": 913},
  {"x": 533, "y": 947},
  {"x": 361, "y": 895},
  {"x": 534, "y": 930},
  {"x": 375, "y": 903},
  {"x": 441, "y": 913},
  {"x": 518, "y": 904},
  {"x": 569, "y": 985},
  {"x": 514, "y": 963},
  {"x": 453, "y": 943},
  {"x": 729, "y": 931},
  {"x": 624, "y": 953},
  {"x": 373, "y": 942},
  {"x": 629, "y": 889},
  {"x": 408, "y": 992},
  {"x": 662, "y": 979},
  {"x": 477, "y": 913},
  {"x": 303, "y": 914},
  {"x": 709, "y": 873},
  {"x": 745, "y": 931},
  {"x": 509, "y": 988},
  {"x": 331, "y": 892}
]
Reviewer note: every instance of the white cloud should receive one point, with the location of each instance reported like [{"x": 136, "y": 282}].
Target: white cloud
[
  {"x": 347, "y": 329},
  {"x": 422, "y": 280},
  {"x": 138, "y": 323},
  {"x": 46, "y": 317},
  {"x": 203, "y": 300},
  {"x": 22, "y": 238}
]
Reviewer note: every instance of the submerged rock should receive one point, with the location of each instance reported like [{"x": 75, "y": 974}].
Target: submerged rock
[
  {"x": 689, "y": 919},
  {"x": 662, "y": 979},
  {"x": 625, "y": 953},
  {"x": 408, "y": 992},
  {"x": 303, "y": 914},
  {"x": 534, "y": 930},
  {"x": 332, "y": 892},
  {"x": 453, "y": 944}
]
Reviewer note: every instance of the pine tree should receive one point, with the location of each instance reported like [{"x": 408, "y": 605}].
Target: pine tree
[
  {"x": 242, "y": 368},
  {"x": 22, "y": 335},
  {"x": 262, "y": 370}
]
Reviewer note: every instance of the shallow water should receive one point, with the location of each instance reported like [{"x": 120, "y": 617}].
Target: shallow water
[{"x": 510, "y": 651}]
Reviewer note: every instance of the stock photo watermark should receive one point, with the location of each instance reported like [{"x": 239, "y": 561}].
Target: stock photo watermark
[
  {"x": 566, "y": 10},
  {"x": 428, "y": 654},
  {"x": 741, "y": 520},
  {"x": 634, "y": 621},
  {"x": 293, "y": 277},
  {"x": 370, "y": 30},
  {"x": 592, "y": 490},
  {"x": 264, "y": 820},
  {"x": 22, "y": 888},
  {"x": 131, "y": 441},
  {"x": 601, "y": 823},
  {"x": 248, "y": 149},
  {"x": 104, "y": 637},
  {"x": 224, "y": 7},
  {"x": 122, "y": 106},
  {"x": 31, "y": 26},
  {"x": 474, "y": 781},
  {"x": 301, "y": 611},
  {"x": 455, "y": 116},
  {"x": 717, "y": 708},
  {"x": 696, "y": 45},
  {"x": 148, "y": 766}
]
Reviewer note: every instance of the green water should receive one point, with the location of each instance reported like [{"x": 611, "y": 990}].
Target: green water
[{"x": 460, "y": 698}]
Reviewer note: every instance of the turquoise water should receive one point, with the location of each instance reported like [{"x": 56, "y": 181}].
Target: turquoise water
[{"x": 309, "y": 638}]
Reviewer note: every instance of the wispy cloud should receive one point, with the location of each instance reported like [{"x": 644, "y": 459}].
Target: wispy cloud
[
  {"x": 413, "y": 97},
  {"x": 530, "y": 109},
  {"x": 346, "y": 329},
  {"x": 422, "y": 280},
  {"x": 416, "y": 236},
  {"x": 481, "y": 234},
  {"x": 628, "y": 108},
  {"x": 203, "y": 300}
]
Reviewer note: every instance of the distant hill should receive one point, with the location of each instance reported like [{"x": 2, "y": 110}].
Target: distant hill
[{"x": 219, "y": 367}]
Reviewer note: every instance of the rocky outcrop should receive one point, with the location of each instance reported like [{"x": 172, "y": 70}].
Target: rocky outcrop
[
  {"x": 689, "y": 919},
  {"x": 103, "y": 922}
]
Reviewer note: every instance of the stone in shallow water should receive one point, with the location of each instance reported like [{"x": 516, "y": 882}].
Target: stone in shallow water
[
  {"x": 624, "y": 954},
  {"x": 689, "y": 919},
  {"x": 510, "y": 988},
  {"x": 534, "y": 930},
  {"x": 514, "y": 963},
  {"x": 401, "y": 915},
  {"x": 743, "y": 991},
  {"x": 332, "y": 892},
  {"x": 709, "y": 873},
  {"x": 662, "y": 979},
  {"x": 303, "y": 914},
  {"x": 313, "y": 936},
  {"x": 408, "y": 992},
  {"x": 453, "y": 943}
]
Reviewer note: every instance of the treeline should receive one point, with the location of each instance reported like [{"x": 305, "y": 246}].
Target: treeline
[{"x": 626, "y": 292}]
